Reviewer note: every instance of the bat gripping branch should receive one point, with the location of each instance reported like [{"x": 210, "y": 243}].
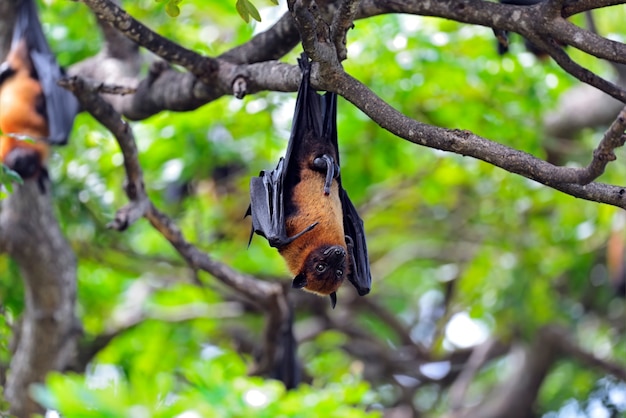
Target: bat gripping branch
[{"x": 326, "y": 162}]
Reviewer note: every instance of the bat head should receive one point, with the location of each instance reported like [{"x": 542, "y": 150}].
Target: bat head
[
  {"x": 24, "y": 161},
  {"x": 323, "y": 271}
]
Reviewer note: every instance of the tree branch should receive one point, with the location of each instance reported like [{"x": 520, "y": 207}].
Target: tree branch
[
  {"x": 107, "y": 11},
  {"x": 565, "y": 179},
  {"x": 49, "y": 329}
]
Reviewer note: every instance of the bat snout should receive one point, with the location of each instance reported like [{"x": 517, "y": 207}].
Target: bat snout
[{"x": 335, "y": 254}]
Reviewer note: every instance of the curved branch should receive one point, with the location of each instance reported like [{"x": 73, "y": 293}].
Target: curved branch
[
  {"x": 270, "y": 45},
  {"x": 565, "y": 179}
]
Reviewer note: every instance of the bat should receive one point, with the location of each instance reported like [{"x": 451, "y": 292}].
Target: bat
[
  {"x": 32, "y": 105},
  {"x": 301, "y": 208}
]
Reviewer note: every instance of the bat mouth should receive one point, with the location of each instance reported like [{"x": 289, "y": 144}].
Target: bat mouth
[{"x": 335, "y": 254}]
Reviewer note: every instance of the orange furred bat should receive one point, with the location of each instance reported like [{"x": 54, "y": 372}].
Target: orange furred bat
[
  {"x": 301, "y": 208},
  {"x": 22, "y": 107},
  {"x": 34, "y": 110}
]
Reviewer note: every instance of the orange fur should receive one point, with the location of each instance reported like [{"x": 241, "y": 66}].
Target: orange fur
[{"x": 21, "y": 96}]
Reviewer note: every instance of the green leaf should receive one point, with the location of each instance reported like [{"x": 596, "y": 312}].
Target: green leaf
[
  {"x": 7, "y": 175},
  {"x": 172, "y": 9},
  {"x": 242, "y": 10},
  {"x": 252, "y": 10}
]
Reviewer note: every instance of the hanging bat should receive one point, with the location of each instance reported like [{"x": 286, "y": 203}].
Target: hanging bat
[
  {"x": 32, "y": 105},
  {"x": 301, "y": 208}
]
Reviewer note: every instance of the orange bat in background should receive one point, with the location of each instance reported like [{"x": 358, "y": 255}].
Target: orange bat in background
[{"x": 34, "y": 111}]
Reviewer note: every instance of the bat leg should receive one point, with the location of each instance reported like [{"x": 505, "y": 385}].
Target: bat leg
[
  {"x": 279, "y": 241},
  {"x": 326, "y": 162}
]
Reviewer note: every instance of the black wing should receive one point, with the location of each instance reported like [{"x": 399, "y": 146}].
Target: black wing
[
  {"x": 268, "y": 209},
  {"x": 360, "y": 275},
  {"x": 270, "y": 192},
  {"x": 61, "y": 105}
]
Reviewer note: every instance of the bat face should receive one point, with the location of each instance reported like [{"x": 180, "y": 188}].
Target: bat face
[
  {"x": 323, "y": 270},
  {"x": 25, "y": 161}
]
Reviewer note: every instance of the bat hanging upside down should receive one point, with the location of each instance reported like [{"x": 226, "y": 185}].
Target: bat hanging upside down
[
  {"x": 34, "y": 111},
  {"x": 301, "y": 208}
]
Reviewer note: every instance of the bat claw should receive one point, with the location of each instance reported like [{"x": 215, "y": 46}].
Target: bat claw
[{"x": 326, "y": 162}]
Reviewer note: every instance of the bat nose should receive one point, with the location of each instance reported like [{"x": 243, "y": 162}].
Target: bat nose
[{"x": 335, "y": 254}]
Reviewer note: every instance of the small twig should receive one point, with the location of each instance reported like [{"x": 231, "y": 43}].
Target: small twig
[
  {"x": 604, "y": 153},
  {"x": 573, "y": 7},
  {"x": 104, "y": 88},
  {"x": 566, "y": 344},
  {"x": 566, "y": 63}
]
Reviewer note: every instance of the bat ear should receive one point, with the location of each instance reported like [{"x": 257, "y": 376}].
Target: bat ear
[
  {"x": 299, "y": 281},
  {"x": 333, "y": 299}
]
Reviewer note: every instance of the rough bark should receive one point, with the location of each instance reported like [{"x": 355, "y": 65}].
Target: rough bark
[{"x": 48, "y": 327}]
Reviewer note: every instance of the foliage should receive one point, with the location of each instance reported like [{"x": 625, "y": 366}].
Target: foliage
[
  {"x": 7, "y": 178},
  {"x": 520, "y": 255},
  {"x": 215, "y": 386}
]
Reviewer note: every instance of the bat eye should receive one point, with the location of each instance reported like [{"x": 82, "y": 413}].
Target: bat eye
[
  {"x": 320, "y": 267},
  {"x": 339, "y": 273}
]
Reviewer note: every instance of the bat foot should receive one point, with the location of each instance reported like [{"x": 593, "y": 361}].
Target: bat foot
[{"x": 327, "y": 163}]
